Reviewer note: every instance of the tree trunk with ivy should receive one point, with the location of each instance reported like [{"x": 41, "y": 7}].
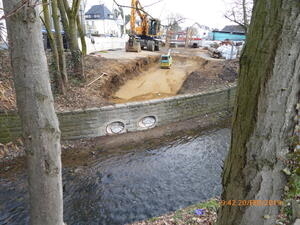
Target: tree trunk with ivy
[
  {"x": 81, "y": 35},
  {"x": 71, "y": 27},
  {"x": 263, "y": 122},
  {"x": 55, "y": 64},
  {"x": 40, "y": 125},
  {"x": 60, "y": 47}
]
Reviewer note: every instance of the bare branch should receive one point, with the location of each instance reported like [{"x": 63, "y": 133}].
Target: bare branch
[
  {"x": 15, "y": 10},
  {"x": 153, "y": 3},
  {"x": 235, "y": 21},
  {"x": 130, "y": 7}
]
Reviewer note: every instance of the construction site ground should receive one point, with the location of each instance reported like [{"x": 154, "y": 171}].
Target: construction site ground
[{"x": 119, "y": 76}]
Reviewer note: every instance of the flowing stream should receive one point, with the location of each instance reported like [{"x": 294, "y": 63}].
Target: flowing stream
[{"x": 140, "y": 183}]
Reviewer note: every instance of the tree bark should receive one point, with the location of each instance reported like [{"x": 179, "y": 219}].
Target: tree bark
[
  {"x": 60, "y": 46},
  {"x": 265, "y": 107},
  {"x": 64, "y": 19},
  {"x": 35, "y": 105},
  {"x": 77, "y": 57},
  {"x": 81, "y": 35}
]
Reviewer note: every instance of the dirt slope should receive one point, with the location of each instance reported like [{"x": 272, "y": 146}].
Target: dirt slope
[{"x": 156, "y": 82}]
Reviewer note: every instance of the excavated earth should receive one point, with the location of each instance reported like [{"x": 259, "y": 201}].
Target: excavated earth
[{"x": 129, "y": 77}]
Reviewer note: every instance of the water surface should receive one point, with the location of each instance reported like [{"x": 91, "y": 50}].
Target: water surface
[{"x": 135, "y": 184}]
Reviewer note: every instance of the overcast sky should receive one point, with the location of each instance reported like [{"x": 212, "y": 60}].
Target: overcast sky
[{"x": 205, "y": 12}]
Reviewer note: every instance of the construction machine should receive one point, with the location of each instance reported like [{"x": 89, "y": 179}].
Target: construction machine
[
  {"x": 166, "y": 60},
  {"x": 146, "y": 35}
]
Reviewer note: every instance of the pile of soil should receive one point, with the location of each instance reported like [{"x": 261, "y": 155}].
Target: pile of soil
[{"x": 212, "y": 75}]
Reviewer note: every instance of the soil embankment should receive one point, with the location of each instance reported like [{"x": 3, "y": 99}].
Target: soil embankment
[
  {"x": 129, "y": 77},
  {"x": 118, "y": 68},
  {"x": 158, "y": 83},
  {"x": 117, "y": 72},
  {"x": 210, "y": 76}
]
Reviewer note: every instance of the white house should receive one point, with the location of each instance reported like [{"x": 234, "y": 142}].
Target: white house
[
  {"x": 203, "y": 31},
  {"x": 101, "y": 21}
]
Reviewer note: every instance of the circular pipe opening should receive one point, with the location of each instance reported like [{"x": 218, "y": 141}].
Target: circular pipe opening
[
  {"x": 147, "y": 122},
  {"x": 115, "y": 127}
]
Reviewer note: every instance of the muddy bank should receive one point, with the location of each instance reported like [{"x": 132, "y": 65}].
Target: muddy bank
[{"x": 212, "y": 75}]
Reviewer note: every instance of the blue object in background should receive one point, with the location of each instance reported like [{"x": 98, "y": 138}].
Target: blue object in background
[{"x": 221, "y": 36}]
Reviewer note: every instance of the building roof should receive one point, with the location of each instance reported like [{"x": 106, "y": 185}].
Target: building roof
[
  {"x": 234, "y": 29},
  {"x": 101, "y": 11}
]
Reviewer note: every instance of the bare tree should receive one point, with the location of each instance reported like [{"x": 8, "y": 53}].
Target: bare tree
[
  {"x": 47, "y": 24},
  {"x": 240, "y": 12},
  {"x": 263, "y": 121},
  {"x": 173, "y": 26},
  {"x": 60, "y": 46},
  {"x": 70, "y": 21},
  {"x": 56, "y": 43},
  {"x": 36, "y": 109}
]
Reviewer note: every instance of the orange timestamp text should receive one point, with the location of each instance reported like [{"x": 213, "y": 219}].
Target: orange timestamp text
[{"x": 251, "y": 203}]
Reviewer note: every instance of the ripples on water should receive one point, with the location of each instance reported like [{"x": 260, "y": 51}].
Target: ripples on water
[{"x": 135, "y": 185}]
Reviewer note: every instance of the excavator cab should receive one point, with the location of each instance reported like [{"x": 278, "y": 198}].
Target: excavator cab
[{"x": 154, "y": 27}]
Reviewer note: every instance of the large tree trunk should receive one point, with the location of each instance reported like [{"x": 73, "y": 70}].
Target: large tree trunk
[
  {"x": 263, "y": 121},
  {"x": 35, "y": 105}
]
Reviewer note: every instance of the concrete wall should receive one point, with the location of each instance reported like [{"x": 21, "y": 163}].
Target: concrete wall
[
  {"x": 95, "y": 121},
  {"x": 95, "y": 44}
]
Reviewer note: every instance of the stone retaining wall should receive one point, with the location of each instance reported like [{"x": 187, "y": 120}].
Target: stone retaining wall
[{"x": 129, "y": 117}]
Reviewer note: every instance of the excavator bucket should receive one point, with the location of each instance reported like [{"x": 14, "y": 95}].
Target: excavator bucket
[{"x": 133, "y": 45}]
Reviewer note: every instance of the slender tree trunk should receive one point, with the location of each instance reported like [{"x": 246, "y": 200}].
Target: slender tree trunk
[
  {"x": 47, "y": 24},
  {"x": 60, "y": 46},
  {"x": 81, "y": 35},
  {"x": 35, "y": 105},
  {"x": 77, "y": 57},
  {"x": 245, "y": 15},
  {"x": 64, "y": 19},
  {"x": 263, "y": 120}
]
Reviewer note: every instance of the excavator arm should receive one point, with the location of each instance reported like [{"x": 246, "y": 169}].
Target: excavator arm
[
  {"x": 136, "y": 8},
  {"x": 142, "y": 36}
]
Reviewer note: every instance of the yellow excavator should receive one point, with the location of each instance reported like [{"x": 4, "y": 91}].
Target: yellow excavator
[{"x": 146, "y": 35}]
